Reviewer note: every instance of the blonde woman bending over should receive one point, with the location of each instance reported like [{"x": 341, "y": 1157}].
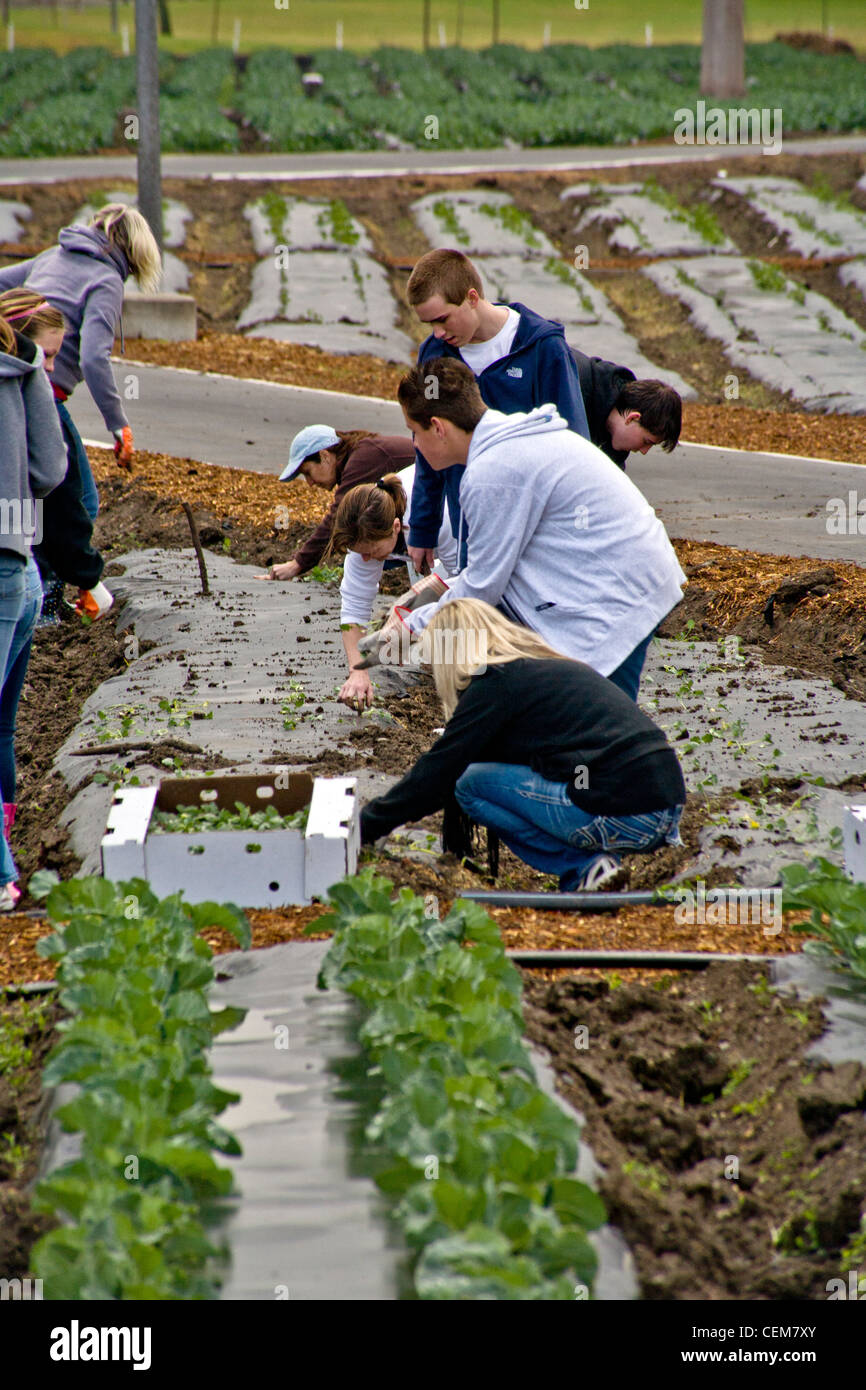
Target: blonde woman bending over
[
  {"x": 555, "y": 758},
  {"x": 83, "y": 276}
]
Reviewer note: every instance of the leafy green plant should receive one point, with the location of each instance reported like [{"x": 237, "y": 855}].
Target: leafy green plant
[
  {"x": 646, "y": 1175},
  {"x": 768, "y": 277},
  {"x": 336, "y": 222},
  {"x": 700, "y": 218},
  {"x": 478, "y": 1160},
  {"x": 837, "y": 920},
  {"x": 741, "y": 1071},
  {"x": 188, "y": 820},
  {"x": 19, "y": 1023},
  {"x": 133, "y": 974},
  {"x": 752, "y": 1107},
  {"x": 444, "y": 211},
  {"x": 324, "y": 574}
]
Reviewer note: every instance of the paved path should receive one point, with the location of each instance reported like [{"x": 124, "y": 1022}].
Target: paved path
[
  {"x": 765, "y": 502},
  {"x": 375, "y": 163}
]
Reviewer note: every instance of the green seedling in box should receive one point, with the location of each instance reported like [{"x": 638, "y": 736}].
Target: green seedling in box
[{"x": 195, "y": 819}]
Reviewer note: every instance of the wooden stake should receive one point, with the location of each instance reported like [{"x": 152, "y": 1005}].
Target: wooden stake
[{"x": 205, "y": 587}]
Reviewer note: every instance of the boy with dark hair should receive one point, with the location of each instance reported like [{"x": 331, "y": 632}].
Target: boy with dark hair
[
  {"x": 520, "y": 360},
  {"x": 626, "y": 415},
  {"x": 559, "y": 539}
]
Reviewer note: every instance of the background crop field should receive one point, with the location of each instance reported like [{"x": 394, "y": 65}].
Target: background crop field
[{"x": 307, "y": 24}]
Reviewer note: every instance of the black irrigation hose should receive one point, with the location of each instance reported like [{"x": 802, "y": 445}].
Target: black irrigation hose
[
  {"x": 647, "y": 960},
  {"x": 573, "y": 902}
]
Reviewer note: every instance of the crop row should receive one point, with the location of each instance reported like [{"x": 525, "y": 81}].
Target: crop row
[
  {"x": 479, "y": 1161},
  {"x": 133, "y": 976},
  {"x": 562, "y": 94}
]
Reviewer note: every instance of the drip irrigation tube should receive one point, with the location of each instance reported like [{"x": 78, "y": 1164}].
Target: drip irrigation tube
[
  {"x": 575, "y": 902},
  {"x": 647, "y": 960}
]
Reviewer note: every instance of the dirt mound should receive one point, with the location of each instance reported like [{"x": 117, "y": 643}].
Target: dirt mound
[
  {"x": 734, "y": 1167},
  {"x": 815, "y": 43}
]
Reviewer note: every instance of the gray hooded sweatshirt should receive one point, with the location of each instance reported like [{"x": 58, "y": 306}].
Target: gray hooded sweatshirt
[
  {"x": 561, "y": 540},
  {"x": 84, "y": 278},
  {"x": 32, "y": 451}
]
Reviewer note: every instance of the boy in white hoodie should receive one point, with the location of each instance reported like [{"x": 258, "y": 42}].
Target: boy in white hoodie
[{"x": 560, "y": 540}]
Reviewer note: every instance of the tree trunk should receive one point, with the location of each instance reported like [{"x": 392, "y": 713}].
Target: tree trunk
[
  {"x": 722, "y": 51},
  {"x": 164, "y": 18},
  {"x": 426, "y": 39}
]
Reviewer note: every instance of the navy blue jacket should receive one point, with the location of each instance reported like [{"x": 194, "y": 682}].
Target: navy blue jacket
[{"x": 538, "y": 369}]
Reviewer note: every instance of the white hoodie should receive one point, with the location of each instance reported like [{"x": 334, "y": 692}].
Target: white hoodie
[{"x": 561, "y": 540}]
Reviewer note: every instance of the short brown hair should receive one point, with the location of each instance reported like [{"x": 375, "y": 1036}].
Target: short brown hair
[
  {"x": 660, "y": 408},
  {"x": 367, "y": 513},
  {"x": 445, "y": 388},
  {"x": 448, "y": 273}
]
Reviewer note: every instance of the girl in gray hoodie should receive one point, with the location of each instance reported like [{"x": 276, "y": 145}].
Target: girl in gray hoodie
[
  {"x": 32, "y": 463},
  {"x": 84, "y": 277}
]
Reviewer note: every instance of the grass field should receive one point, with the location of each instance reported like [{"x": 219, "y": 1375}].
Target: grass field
[{"x": 308, "y": 24}]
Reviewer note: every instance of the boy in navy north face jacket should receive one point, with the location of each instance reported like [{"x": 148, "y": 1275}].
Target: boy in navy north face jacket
[{"x": 520, "y": 360}]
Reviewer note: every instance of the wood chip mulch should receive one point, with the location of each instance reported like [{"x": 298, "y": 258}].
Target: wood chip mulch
[{"x": 630, "y": 929}]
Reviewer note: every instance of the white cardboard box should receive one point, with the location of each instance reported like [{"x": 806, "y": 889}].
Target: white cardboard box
[
  {"x": 854, "y": 841},
  {"x": 287, "y": 867}
]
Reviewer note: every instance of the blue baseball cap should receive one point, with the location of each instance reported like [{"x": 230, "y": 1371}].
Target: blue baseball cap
[{"x": 306, "y": 442}]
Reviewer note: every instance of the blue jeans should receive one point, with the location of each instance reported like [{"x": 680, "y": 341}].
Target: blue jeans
[
  {"x": 75, "y": 445},
  {"x": 627, "y": 675},
  {"x": 12, "y": 604},
  {"x": 541, "y": 824},
  {"x": 13, "y": 681}
]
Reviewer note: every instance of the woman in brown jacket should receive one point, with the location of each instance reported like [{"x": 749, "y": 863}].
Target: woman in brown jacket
[{"x": 329, "y": 459}]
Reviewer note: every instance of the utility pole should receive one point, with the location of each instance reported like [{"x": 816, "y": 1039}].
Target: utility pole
[
  {"x": 723, "y": 72},
  {"x": 147, "y": 74}
]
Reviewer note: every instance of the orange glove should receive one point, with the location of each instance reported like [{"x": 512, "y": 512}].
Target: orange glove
[
  {"x": 93, "y": 603},
  {"x": 123, "y": 447}
]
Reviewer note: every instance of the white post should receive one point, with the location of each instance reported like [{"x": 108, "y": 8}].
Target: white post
[
  {"x": 339, "y": 41},
  {"x": 648, "y": 35},
  {"x": 10, "y": 38},
  {"x": 545, "y": 38},
  {"x": 236, "y": 37},
  {"x": 124, "y": 40},
  {"x": 443, "y": 43}
]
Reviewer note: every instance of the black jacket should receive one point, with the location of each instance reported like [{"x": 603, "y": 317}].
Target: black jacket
[
  {"x": 66, "y": 527},
  {"x": 556, "y": 717},
  {"x": 600, "y": 384}
]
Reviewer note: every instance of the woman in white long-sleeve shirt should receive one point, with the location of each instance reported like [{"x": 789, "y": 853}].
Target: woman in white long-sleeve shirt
[{"x": 371, "y": 525}]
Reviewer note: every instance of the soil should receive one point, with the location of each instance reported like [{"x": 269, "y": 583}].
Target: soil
[
  {"x": 733, "y": 1167},
  {"x": 22, "y": 1125}
]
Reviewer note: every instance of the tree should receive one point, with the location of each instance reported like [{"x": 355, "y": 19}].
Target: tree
[
  {"x": 164, "y": 18},
  {"x": 722, "y": 51}
]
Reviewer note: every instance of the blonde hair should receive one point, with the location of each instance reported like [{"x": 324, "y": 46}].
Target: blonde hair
[
  {"x": 7, "y": 337},
  {"x": 127, "y": 229},
  {"x": 494, "y": 641},
  {"x": 30, "y": 312}
]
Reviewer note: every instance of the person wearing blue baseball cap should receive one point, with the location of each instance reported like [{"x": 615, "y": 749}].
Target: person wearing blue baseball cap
[{"x": 337, "y": 461}]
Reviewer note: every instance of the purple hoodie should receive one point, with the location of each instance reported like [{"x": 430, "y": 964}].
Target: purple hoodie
[{"x": 84, "y": 278}]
